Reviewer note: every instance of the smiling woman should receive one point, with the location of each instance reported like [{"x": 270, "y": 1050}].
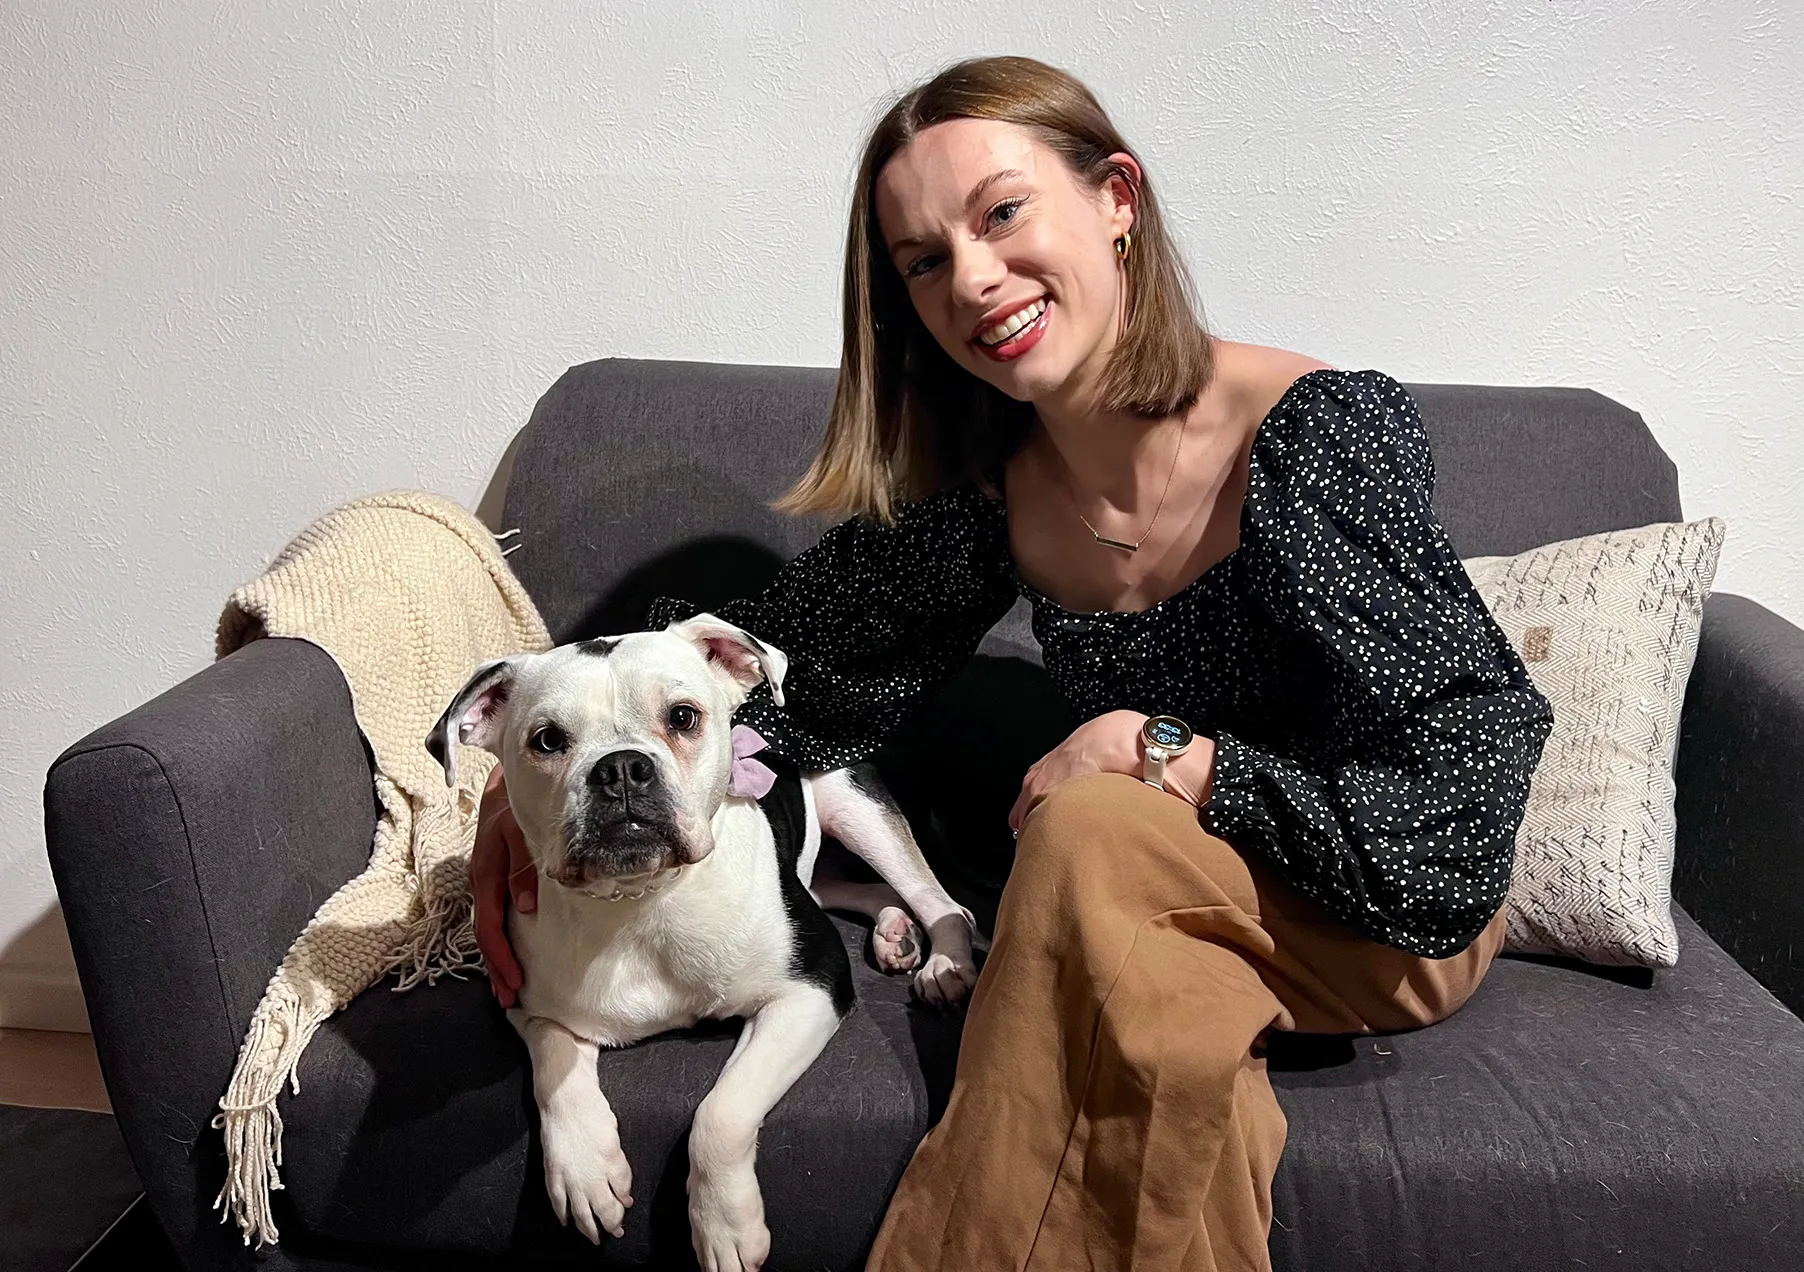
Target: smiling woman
[
  {"x": 1023, "y": 174},
  {"x": 1306, "y": 745}
]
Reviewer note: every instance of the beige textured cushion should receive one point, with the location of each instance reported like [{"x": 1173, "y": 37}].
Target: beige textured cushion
[{"x": 1607, "y": 626}]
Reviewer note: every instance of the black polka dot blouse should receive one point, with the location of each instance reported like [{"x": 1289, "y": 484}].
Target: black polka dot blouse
[{"x": 1375, "y": 732}]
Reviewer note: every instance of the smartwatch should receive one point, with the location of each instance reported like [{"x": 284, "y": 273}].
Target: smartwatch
[{"x": 1162, "y": 737}]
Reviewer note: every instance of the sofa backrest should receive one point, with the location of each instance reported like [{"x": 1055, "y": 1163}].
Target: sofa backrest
[{"x": 638, "y": 478}]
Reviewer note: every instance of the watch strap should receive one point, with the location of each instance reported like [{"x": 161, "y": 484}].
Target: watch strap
[{"x": 1152, "y": 770}]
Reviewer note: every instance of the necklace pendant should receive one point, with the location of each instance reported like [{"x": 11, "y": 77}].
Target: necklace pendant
[{"x": 1115, "y": 543}]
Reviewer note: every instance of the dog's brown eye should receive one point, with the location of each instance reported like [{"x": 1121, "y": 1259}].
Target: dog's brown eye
[
  {"x": 684, "y": 718},
  {"x": 548, "y": 739}
]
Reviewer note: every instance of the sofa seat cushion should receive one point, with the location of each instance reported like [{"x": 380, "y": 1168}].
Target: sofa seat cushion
[{"x": 1568, "y": 1115}]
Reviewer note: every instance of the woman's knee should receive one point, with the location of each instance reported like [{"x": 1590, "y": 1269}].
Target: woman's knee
[
  {"x": 1091, "y": 803},
  {"x": 1074, "y": 817},
  {"x": 1111, "y": 832}
]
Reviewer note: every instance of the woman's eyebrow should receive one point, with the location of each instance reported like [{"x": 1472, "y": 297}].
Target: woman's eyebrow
[{"x": 977, "y": 192}]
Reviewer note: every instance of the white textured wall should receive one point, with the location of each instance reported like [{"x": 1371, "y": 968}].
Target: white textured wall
[{"x": 255, "y": 259}]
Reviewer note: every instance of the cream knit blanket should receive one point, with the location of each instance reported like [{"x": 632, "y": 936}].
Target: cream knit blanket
[{"x": 408, "y": 593}]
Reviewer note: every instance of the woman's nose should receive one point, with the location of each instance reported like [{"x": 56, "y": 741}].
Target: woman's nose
[{"x": 976, "y": 272}]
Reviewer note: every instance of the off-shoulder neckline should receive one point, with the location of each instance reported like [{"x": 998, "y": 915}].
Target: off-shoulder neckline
[{"x": 1219, "y": 568}]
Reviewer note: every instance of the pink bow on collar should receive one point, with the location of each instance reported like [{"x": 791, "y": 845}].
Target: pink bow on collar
[{"x": 751, "y": 777}]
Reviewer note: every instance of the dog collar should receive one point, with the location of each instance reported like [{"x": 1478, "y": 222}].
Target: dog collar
[{"x": 656, "y": 882}]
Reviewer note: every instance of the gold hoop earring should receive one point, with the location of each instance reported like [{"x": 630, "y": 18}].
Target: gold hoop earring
[{"x": 1124, "y": 245}]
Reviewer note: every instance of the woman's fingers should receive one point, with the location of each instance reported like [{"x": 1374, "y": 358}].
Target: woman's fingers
[
  {"x": 1030, "y": 791},
  {"x": 489, "y": 868},
  {"x": 491, "y": 936},
  {"x": 1048, "y": 772},
  {"x": 1029, "y": 784}
]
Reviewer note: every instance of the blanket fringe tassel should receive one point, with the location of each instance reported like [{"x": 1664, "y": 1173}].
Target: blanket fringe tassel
[
  {"x": 440, "y": 941},
  {"x": 253, "y": 1128}
]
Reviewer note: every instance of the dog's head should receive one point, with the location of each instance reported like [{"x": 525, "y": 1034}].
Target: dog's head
[{"x": 617, "y": 750}]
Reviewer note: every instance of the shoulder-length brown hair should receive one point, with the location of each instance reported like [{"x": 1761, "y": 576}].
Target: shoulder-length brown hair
[{"x": 907, "y": 420}]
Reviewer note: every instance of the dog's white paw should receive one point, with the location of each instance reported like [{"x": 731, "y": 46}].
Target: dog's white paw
[
  {"x": 586, "y": 1174},
  {"x": 896, "y": 940},
  {"x": 726, "y": 1220},
  {"x": 945, "y": 981}
]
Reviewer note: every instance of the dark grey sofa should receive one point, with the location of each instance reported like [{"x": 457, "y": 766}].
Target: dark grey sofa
[{"x": 1569, "y": 1116}]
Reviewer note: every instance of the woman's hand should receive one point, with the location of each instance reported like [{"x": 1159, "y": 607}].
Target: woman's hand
[
  {"x": 1110, "y": 743},
  {"x": 500, "y": 867}
]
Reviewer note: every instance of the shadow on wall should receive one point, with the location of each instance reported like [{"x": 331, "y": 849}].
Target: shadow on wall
[
  {"x": 39, "y": 988},
  {"x": 489, "y": 507},
  {"x": 39, "y": 985}
]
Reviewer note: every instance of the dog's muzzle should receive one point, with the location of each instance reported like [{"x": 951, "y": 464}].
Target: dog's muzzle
[{"x": 628, "y": 824}]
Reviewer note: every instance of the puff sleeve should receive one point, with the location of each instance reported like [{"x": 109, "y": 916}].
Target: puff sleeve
[
  {"x": 873, "y": 619},
  {"x": 1402, "y": 819}
]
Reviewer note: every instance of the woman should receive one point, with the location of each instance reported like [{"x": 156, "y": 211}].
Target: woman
[{"x": 1235, "y": 536}]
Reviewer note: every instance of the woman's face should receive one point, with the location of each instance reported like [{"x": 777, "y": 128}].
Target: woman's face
[{"x": 976, "y": 250}]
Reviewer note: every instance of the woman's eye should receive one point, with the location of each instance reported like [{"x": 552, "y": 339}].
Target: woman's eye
[
  {"x": 684, "y": 718},
  {"x": 548, "y": 739},
  {"x": 923, "y": 264}
]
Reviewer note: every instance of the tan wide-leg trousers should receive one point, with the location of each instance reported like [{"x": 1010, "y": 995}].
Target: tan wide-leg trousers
[{"x": 1111, "y": 1108}]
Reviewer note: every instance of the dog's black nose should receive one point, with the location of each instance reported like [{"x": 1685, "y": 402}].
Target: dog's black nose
[{"x": 623, "y": 773}]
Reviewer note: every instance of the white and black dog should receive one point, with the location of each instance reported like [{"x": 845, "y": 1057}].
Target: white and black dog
[{"x": 679, "y": 886}]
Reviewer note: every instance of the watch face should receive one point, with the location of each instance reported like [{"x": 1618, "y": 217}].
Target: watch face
[{"x": 1168, "y": 732}]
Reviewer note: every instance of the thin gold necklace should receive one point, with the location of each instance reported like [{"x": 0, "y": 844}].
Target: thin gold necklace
[{"x": 1121, "y": 544}]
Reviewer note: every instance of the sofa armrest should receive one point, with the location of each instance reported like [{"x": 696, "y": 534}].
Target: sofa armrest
[
  {"x": 191, "y": 841},
  {"x": 1739, "y": 867}
]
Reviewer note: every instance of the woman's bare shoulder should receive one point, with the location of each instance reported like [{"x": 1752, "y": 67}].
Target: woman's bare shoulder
[{"x": 1258, "y": 376}]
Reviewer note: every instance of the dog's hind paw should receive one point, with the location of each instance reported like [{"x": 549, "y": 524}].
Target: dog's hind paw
[
  {"x": 896, "y": 940},
  {"x": 944, "y": 981}
]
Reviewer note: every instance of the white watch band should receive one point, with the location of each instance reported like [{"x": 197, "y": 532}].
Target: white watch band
[{"x": 1153, "y": 771}]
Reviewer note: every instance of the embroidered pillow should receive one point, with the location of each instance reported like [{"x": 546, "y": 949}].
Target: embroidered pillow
[{"x": 1607, "y": 626}]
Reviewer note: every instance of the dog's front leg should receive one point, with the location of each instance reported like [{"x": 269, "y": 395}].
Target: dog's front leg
[
  {"x": 726, "y": 1210},
  {"x": 586, "y": 1174}
]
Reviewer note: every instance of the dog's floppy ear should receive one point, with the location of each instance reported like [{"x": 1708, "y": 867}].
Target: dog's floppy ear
[
  {"x": 742, "y": 655},
  {"x": 473, "y": 714}
]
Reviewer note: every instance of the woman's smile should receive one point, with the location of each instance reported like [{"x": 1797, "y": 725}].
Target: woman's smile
[{"x": 1010, "y": 345}]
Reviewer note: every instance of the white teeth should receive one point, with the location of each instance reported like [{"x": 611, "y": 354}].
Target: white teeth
[{"x": 1013, "y": 323}]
